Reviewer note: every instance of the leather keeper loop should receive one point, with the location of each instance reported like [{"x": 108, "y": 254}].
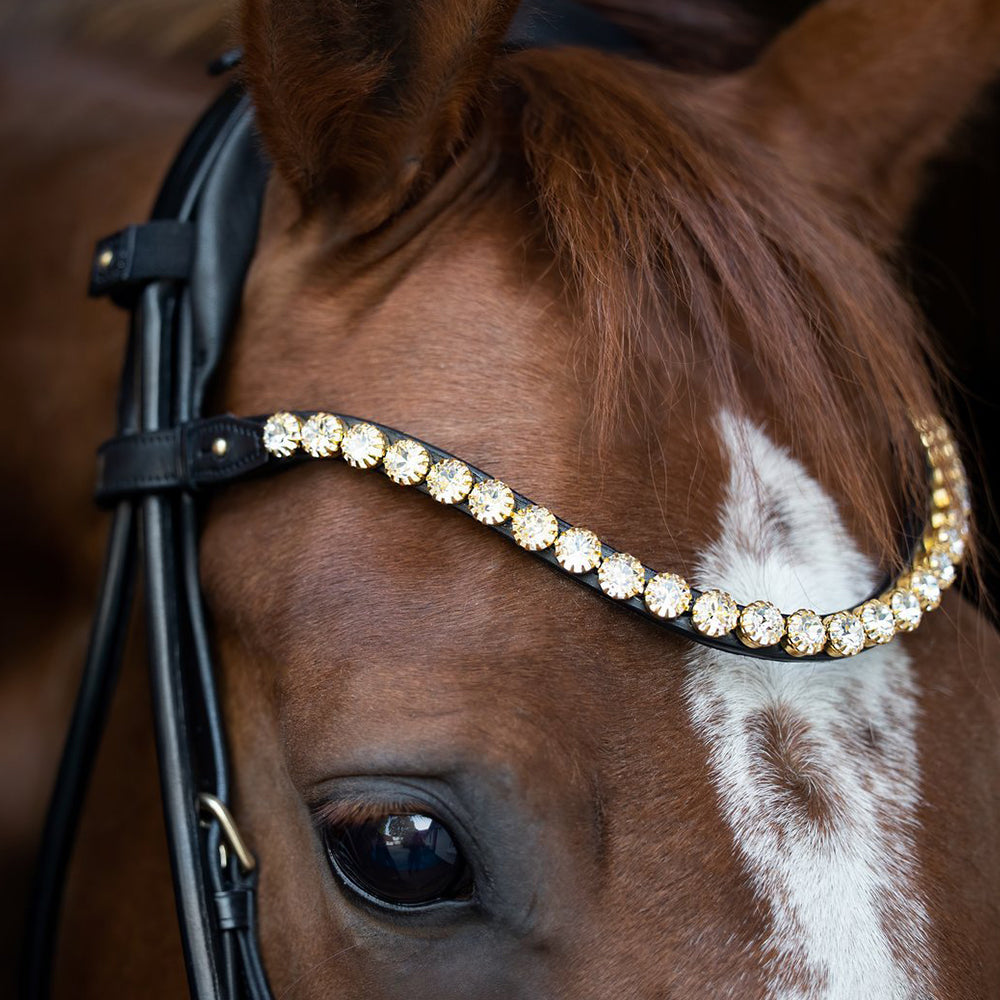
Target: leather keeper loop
[
  {"x": 196, "y": 455},
  {"x": 161, "y": 250}
]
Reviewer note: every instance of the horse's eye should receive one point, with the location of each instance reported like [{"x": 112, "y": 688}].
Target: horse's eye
[{"x": 404, "y": 859}]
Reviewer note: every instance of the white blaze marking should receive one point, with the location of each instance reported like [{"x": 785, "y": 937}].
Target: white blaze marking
[{"x": 847, "y": 918}]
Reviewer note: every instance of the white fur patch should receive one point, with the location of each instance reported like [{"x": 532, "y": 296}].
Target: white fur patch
[{"x": 847, "y": 921}]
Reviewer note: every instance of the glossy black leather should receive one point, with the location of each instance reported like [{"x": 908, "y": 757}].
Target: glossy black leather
[
  {"x": 126, "y": 261},
  {"x": 178, "y": 458}
]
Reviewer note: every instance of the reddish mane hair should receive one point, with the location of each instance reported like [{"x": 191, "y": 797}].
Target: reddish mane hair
[{"x": 688, "y": 247}]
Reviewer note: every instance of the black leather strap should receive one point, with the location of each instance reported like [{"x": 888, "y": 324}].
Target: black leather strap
[
  {"x": 162, "y": 249},
  {"x": 183, "y": 292},
  {"x": 190, "y": 457}
]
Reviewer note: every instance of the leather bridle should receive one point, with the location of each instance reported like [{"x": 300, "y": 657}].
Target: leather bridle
[{"x": 181, "y": 276}]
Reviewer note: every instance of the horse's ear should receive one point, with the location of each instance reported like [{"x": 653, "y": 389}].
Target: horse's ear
[
  {"x": 859, "y": 94},
  {"x": 361, "y": 102}
]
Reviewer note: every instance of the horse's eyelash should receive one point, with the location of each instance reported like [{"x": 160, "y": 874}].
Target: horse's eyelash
[{"x": 354, "y": 812}]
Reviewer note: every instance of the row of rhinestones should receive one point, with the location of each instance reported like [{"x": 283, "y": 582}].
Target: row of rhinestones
[{"x": 623, "y": 577}]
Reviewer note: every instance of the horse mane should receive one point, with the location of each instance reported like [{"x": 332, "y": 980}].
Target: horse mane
[{"x": 688, "y": 249}]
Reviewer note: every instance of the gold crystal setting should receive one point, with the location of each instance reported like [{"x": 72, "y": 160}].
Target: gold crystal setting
[
  {"x": 282, "y": 434},
  {"x": 878, "y": 622},
  {"x": 924, "y": 584},
  {"x": 845, "y": 634},
  {"x": 805, "y": 633},
  {"x": 321, "y": 435},
  {"x": 714, "y": 613},
  {"x": 760, "y": 625},
  {"x": 534, "y": 528},
  {"x": 621, "y": 576},
  {"x": 906, "y": 609},
  {"x": 668, "y": 595},
  {"x": 578, "y": 550},
  {"x": 363, "y": 446},
  {"x": 449, "y": 481},
  {"x": 406, "y": 462},
  {"x": 491, "y": 501}
]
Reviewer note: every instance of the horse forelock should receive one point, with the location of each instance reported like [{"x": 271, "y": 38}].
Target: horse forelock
[{"x": 687, "y": 250}]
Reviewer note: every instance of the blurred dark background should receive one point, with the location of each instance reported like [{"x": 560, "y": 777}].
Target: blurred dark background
[{"x": 953, "y": 256}]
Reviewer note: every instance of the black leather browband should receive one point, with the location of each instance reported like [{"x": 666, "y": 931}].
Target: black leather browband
[{"x": 186, "y": 459}]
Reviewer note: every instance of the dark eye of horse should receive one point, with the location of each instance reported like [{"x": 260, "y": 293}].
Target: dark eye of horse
[{"x": 403, "y": 859}]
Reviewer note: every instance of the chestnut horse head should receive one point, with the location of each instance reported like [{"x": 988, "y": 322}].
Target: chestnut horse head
[{"x": 665, "y": 306}]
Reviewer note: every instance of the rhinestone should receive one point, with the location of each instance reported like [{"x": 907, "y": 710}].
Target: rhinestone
[
  {"x": 947, "y": 449},
  {"x": 942, "y": 519},
  {"x": 924, "y": 584},
  {"x": 941, "y": 498},
  {"x": 621, "y": 576},
  {"x": 961, "y": 491},
  {"x": 491, "y": 501},
  {"x": 578, "y": 550},
  {"x": 406, "y": 462},
  {"x": 942, "y": 567},
  {"x": 534, "y": 528},
  {"x": 714, "y": 613},
  {"x": 362, "y": 446},
  {"x": 806, "y": 633},
  {"x": 668, "y": 595},
  {"x": 282, "y": 433},
  {"x": 761, "y": 624},
  {"x": 905, "y": 609},
  {"x": 106, "y": 259},
  {"x": 219, "y": 447},
  {"x": 949, "y": 541},
  {"x": 847, "y": 634},
  {"x": 322, "y": 434},
  {"x": 878, "y": 622},
  {"x": 449, "y": 481}
]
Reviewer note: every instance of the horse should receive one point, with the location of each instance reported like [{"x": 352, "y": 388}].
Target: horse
[{"x": 665, "y": 304}]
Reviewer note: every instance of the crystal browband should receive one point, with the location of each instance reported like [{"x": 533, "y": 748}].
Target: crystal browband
[
  {"x": 710, "y": 616},
  {"x": 218, "y": 450}
]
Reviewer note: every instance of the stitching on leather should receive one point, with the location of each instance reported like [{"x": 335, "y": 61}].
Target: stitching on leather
[{"x": 130, "y": 441}]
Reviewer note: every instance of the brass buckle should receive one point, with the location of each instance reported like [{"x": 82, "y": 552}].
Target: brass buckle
[{"x": 211, "y": 806}]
